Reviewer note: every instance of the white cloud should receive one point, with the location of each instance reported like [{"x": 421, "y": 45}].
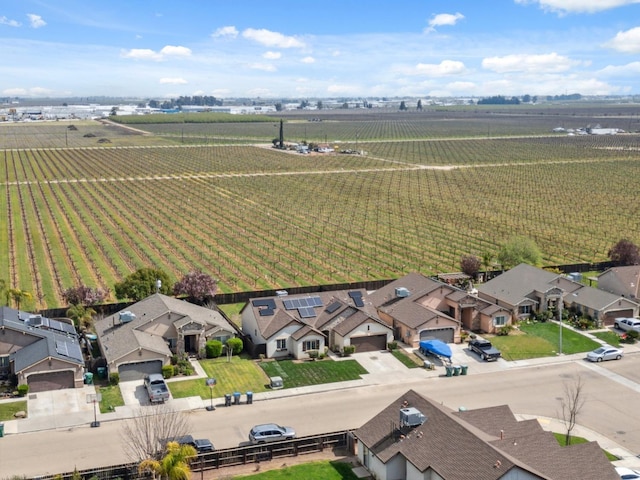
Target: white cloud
[
  {"x": 308, "y": 60},
  {"x": 629, "y": 70},
  {"x": 442, "y": 69},
  {"x": 175, "y": 51},
  {"x": 337, "y": 89},
  {"x": 578, "y": 6},
  {"x": 229, "y": 31},
  {"x": 272, "y": 39},
  {"x": 148, "y": 54},
  {"x": 28, "y": 92},
  {"x": 272, "y": 55},
  {"x": 440, "y": 19},
  {"x": 12, "y": 23},
  {"x": 36, "y": 21},
  {"x": 265, "y": 67},
  {"x": 173, "y": 81},
  {"x": 545, "y": 63},
  {"x": 626, "y": 42}
]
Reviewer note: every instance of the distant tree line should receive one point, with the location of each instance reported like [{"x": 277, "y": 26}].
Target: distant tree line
[
  {"x": 199, "y": 100},
  {"x": 499, "y": 100},
  {"x": 572, "y": 96}
]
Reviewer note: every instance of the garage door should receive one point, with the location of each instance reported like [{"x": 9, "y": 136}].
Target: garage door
[
  {"x": 371, "y": 343},
  {"x": 42, "y": 382},
  {"x": 444, "y": 334},
  {"x": 137, "y": 371},
  {"x": 610, "y": 317}
]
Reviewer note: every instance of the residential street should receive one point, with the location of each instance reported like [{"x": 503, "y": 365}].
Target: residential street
[{"x": 531, "y": 389}]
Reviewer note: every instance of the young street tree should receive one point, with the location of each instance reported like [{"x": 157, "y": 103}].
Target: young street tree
[
  {"x": 196, "y": 285},
  {"x": 519, "y": 250},
  {"x": 142, "y": 283},
  {"x": 571, "y": 404},
  {"x": 624, "y": 253},
  {"x": 146, "y": 433}
]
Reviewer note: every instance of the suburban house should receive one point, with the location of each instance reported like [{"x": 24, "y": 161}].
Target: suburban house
[
  {"x": 43, "y": 353},
  {"x": 421, "y": 308},
  {"x": 623, "y": 281},
  {"x": 143, "y": 338},
  {"x": 525, "y": 289},
  {"x": 416, "y": 438},
  {"x": 292, "y": 325}
]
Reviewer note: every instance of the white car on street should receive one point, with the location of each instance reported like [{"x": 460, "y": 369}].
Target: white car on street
[{"x": 605, "y": 352}]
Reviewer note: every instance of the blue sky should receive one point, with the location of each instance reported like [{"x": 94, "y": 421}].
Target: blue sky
[{"x": 317, "y": 49}]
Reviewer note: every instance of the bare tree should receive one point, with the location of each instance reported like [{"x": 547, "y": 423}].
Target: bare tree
[
  {"x": 147, "y": 432},
  {"x": 571, "y": 404}
]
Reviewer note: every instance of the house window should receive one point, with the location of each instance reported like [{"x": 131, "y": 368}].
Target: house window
[
  {"x": 310, "y": 345},
  {"x": 172, "y": 342},
  {"x": 500, "y": 321},
  {"x": 525, "y": 309},
  {"x": 281, "y": 344}
]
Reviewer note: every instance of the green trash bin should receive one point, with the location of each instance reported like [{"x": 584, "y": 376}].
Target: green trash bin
[
  {"x": 456, "y": 370},
  {"x": 449, "y": 370},
  {"x": 463, "y": 369},
  {"x": 102, "y": 372},
  {"x": 88, "y": 378},
  {"x": 1, "y": 430}
]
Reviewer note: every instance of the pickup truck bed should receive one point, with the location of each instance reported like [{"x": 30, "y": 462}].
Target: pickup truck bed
[{"x": 156, "y": 388}]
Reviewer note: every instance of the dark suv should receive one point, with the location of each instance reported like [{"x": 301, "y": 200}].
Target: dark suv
[{"x": 201, "y": 445}]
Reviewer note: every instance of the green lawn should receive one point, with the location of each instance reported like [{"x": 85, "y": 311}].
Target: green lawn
[
  {"x": 241, "y": 374},
  {"x": 541, "y": 339},
  {"x": 111, "y": 398},
  {"x": 308, "y": 471},
  {"x": 8, "y": 409},
  {"x": 612, "y": 338},
  {"x": 409, "y": 360},
  {"x": 300, "y": 374}
]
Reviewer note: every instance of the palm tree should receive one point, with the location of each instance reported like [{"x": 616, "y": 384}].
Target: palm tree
[
  {"x": 173, "y": 466},
  {"x": 19, "y": 296},
  {"x": 81, "y": 315}
]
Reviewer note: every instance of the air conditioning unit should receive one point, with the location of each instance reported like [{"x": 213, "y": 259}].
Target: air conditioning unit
[
  {"x": 411, "y": 417},
  {"x": 35, "y": 320},
  {"x": 402, "y": 292},
  {"x": 126, "y": 316}
]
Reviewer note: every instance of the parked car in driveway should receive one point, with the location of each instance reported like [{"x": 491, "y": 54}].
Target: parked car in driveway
[
  {"x": 270, "y": 432},
  {"x": 628, "y": 473},
  {"x": 605, "y": 353}
]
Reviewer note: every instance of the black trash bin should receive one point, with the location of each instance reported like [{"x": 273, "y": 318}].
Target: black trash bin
[
  {"x": 1, "y": 430},
  {"x": 227, "y": 399},
  {"x": 236, "y": 398},
  {"x": 249, "y": 398}
]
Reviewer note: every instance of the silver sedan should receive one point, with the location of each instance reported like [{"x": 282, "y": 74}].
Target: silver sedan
[{"x": 605, "y": 353}]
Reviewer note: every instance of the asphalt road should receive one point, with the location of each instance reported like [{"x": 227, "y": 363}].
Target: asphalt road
[{"x": 612, "y": 392}]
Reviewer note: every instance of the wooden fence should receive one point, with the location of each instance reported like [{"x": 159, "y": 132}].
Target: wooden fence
[{"x": 228, "y": 457}]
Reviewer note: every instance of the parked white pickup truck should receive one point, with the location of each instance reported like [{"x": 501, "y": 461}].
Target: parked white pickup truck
[{"x": 627, "y": 324}]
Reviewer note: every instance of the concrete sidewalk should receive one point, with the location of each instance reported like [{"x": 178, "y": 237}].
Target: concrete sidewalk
[{"x": 70, "y": 407}]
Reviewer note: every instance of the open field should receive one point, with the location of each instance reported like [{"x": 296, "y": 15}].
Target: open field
[{"x": 259, "y": 218}]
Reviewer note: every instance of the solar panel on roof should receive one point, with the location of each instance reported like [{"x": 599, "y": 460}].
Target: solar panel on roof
[
  {"x": 333, "y": 307},
  {"x": 317, "y": 301},
  {"x": 307, "y": 312},
  {"x": 69, "y": 349},
  {"x": 289, "y": 304},
  {"x": 357, "y": 298},
  {"x": 266, "y": 305}
]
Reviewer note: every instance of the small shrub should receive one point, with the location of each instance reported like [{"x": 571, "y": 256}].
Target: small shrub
[
  {"x": 392, "y": 346},
  {"x": 313, "y": 354},
  {"x": 504, "y": 331},
  {"x": 23, "y": 390},
  {"x": 114, "y": 378},
  {"x": 167, "y": 371},
  {"x": 213, "y": 348},
  {"x": 629, "y": 337},
  {"x": 262, "y": 356},
  {"x": 348, "y": 350}
]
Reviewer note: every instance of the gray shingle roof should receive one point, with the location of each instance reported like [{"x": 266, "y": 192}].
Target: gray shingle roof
[
  {"x": 482, "y": 444},
  {"x": 514, "y": 285}
]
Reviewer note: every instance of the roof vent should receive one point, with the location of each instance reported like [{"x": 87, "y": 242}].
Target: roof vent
[
  {"x": 35, "y": 320},
  {"x": 411, "y": 417},
  {"x": 282, "y": 293},
  {"x": 402, "y": 292},
  {"x": 126, "y": 316}
]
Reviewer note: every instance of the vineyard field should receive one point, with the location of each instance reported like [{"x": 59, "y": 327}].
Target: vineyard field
[{"x": 258, "y": 218}]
